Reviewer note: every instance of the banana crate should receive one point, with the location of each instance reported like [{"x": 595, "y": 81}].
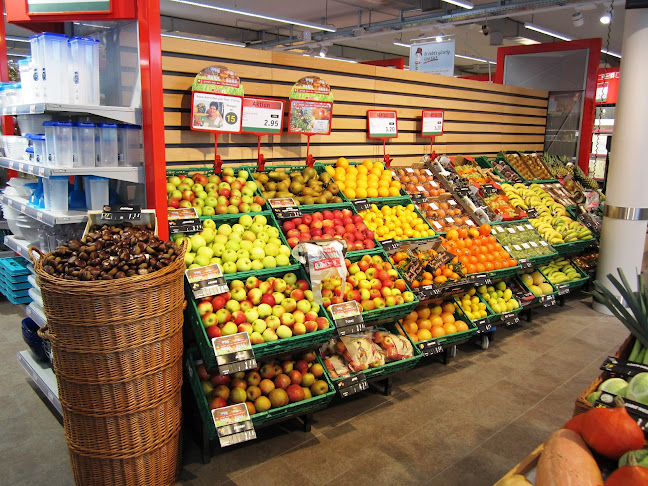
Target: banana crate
[{"x": 562, "y": 272}]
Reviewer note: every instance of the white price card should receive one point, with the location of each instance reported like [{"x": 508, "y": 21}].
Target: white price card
[
  {"x": 262, "y": 116},
  {"x": 382, "y": 124},
  {"x": 432, "y": 123}
]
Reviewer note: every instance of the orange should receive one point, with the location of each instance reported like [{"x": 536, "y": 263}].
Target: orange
[
  {"x": 436, "y": 310},
  {"x": 461, "y": 326},
  {"x": 436, "y": 321},
  {"x": 368, "y": 164},
  {"x": 423, "y": 335},
  {"x": 449, "y": 328},
  {"x": 440, "y": 279},
  {"x": 394, "y": 191},
  {"x": 452, "y": 235},
  {"x": 424, "y": 313},
  {"x": 437, "y": 332},
  {"x": 410, "y": 327},
  {"x": 382, "y": 192},
  {"x": 484, "y": 230},
  {"x": 448, "y": 308},
  {"x": 425, "y": 324},
  {"x": 448, "y": 318},
  {"x": 372, "y": 192},
  {"x": 427, "y": 275},
  {"x": 360, "y": 192},
  {"x": 342, "y": 162},
  {"x": 412, "y": 316}
]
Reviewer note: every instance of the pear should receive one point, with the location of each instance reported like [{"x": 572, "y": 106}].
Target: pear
[
  {"x": 296, "y": 187},
  {"x": 325, "y": 177},
  {"x": 283, "y": 186},
  {"x": 309, "y": 173},
  {"x": 334, "y": 188}
]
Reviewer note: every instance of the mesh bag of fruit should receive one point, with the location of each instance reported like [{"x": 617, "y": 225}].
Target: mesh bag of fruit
[{"x": 324, "y": 261}]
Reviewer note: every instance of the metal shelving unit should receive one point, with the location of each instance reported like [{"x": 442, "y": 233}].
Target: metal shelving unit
[
  {"x": 18, "y": 245},
  {"x": 43, "y": 376},
  {"x": 50, "y": 218},
  {"x": 129, "y": 174},
  {"x": 123, "y": 114}
]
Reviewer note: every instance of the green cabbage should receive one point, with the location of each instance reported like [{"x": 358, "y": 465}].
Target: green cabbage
[
  {"x": 616, "y": 386},
  {"x": 638, "y": 388},
  {"x": 592, "y": 397},
  {"x": 641, "y": 457}
]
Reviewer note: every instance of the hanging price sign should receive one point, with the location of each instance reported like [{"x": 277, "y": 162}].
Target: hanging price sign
[
  {"x": 234, "y": 353},
  {"x": 285, "y": 208},
  {"x": 353, "y": 384},
  {"x": 382, "y": 124},
  {"x": 432, "y": 123},
  {"x": 262, "y": 115},
  {"x": 206, "y": 281},
  {"x": 347, "y": 317}
]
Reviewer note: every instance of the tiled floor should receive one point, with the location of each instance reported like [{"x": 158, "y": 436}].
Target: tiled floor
[{"x": 462, "y": 424}]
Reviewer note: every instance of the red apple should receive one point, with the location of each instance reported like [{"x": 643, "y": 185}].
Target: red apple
[
  {"x": 317, "y": 370},
  {"x": 266, "y": 385},
  {"x": 220, "y": 380},
  {"x": 202, "y": 372},
  {"x": 282, "y": 381},
  {"x": 295, "y": 377},
  {"x": 213, "y": 332},
  {"x": 322, "y": 323},
  {"x": 267, "y": 371},
  {"x": 311, "y": 326},
  {"x": 368, "y": 305},
  {"x": 295, "y": 393},
  {"x": 301, "y": 366},
  {"x": 217, "y": 402}
]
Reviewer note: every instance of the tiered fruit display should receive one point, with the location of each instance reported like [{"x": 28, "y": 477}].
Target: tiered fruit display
[
  {"x": 449, "y": 272},
  {"x": 522, "y": 240},
  {"x": 368, "y": 179},
  {"x": 505, "y": 170},
  {"x": 445, "y": 213},
  {"x": 587, "y": 261},
  {"x": 528, "y": 166},
  {"x": 561, "y": 194},
  {"x": 471, "y": 305},
  {"x": 478, "y": 250},
  {"x": 272, "y": 385},
  {"x": 360, "y": 352},
  {"x": 419, "y": 181},
  {"x": 396, "y": 222},
  {"x": 251, "y": 244},
  {"x": 432, "y": 322},
  {"x": 536, "y": 283},
  {"x": 499, "y": 296},
  {"x": 305, "y": 186},
  {"x": 553, "y": 222},
  {"x": 271, "y": 309},
  {"x": 560, "y": 271},
  {"x": 560, "y": 167},
  {"x": 210, "y": 195},
  {"x": 372, "y": 282},
  {"x": 467, "y": 168},
  {"x": 338, "y": 224}
]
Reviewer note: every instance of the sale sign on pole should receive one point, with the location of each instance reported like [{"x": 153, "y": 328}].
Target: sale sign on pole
[
  {"x": 432, "y": 126},
  {"x": 262, "y": 116},
  {"x": 217, "y": 104},
  {"x": 383, "y": 124},
  {"x": 310, "y": 110}
]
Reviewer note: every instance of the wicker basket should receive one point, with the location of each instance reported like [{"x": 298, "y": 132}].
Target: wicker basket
[
  {"x": 158, "y": 466},
  {"x": 582, "y": 405}
]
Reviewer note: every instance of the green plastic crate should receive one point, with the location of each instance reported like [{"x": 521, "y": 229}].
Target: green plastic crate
[
  {"x": 450, "y": 339},
  {"x": 373, "y": 374},
  {"x": 573, "y": 247},
  {"x": 293, "y": 168},
  {"x": 290, "y": 410},
  {"x": 395, "y": 312},
  {"x": 416, "y": 209},
  {"x": 571, "y": 284},
  {"x": 537, "y": 298},
  {"x": 260, "y": 350},
  {"x": 494, "y": 316}
]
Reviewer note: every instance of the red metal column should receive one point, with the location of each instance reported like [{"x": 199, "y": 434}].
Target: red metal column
[{"x": 148, "y": 16}]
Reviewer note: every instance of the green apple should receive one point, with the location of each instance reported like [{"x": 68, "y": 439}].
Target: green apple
[
  {"x": 284, "y": 332},
  {"x": 218, "y": 249},
  {"x": 215, "y": 260},
  {"x": 189, "y": 258},
  {"x": 243, "y": 265},
  {"x": 255, "y": 208},
  {"x": 208, "y": 211},
  {"x": 272, "y": 232},
  {"x": 175, "y": 180},
  {"x": 284, "y": 250},
  {"x": 201, "y": 195},
  {"x": 229, "y": 267},
  {"x": 208, "y": 234},
  {"x": 235, "y": 236},
  {"x": 224, "y": 229},
  {"x": 257, "y": 265},
  {"x": 248, "y": 235},
  {"x": 229, "y": 256},
  {"x": 238, "y": 228},
  {"x": 258, "y": 244},
  {"x": 260, "y": 219},
  {"x": 243, "y": 254},
  {"x": 197, "y": 241},
  {"x": 199, "y": 211},
  {"x": 243, "y": 174},
  {"x": 233, "y": 245},
  {"x": 205, "y": 251},
  {"x": 257, "y": 253},
  {"x": 220, "y": 239},
  {"x": 282, "y": 260},
  {"x": 269, "y": 262},
  {"x": 271, "y": 250},
  {"x": 246, "y": 245},
  {"x": 263, "y": 236},
  {"x": 229, "y": 329},
  {"x": 246, "y": 220},
  {"x": 211, "y": 201},
  {"x": 177, "y": 236},
  {"x": 257, "y": 228},
  {"x": 194, "y": 265},
  {"x": 274, "y": 241},
  {"x": 232, "y": 210},
  {"x": 202, "y": 260}
]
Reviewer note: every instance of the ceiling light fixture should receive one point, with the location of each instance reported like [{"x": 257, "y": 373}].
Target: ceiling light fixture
[
  {"x": 256, "y": 15},
  {"x": 611, "y": 53},
  {"x": 309, "y": 54},
  {"x": 606, "y": 18},
  {"x": 474, "y": 59},
  {"x": 525, "y": 41},
  {"x": 439, "y": 38},
  {"x": 201, "y": 39},
  {"x": 323, "y": 51},
  {"x": 461, "y": 3},
  {"x": 401, "y": 44},
  {"x": 543, "y": 30},
  {"x": 577, "y": 19}
]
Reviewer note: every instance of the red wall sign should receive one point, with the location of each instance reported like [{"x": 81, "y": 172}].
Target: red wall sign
[{"x": 607, "y": 86}]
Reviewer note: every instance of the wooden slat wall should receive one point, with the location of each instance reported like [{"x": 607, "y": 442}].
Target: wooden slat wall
[{"x": 480, "y": 118}]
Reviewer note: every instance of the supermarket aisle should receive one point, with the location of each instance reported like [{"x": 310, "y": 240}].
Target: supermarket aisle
[{"x": 466, "y": 423}]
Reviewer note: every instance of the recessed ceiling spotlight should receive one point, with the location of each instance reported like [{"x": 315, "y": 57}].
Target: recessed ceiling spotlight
[
  {"x": 606, "y": 18},
  {"x": 577, "y": 19},
  {"x": 323, "y": 51},
  {"x": 439, "y": 38}
]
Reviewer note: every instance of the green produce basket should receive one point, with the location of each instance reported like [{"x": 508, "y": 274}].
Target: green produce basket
[
  {"x": 450, "y": 339},
  {"x": 543, "y": 259},
  {"x": 574, "y": 246},
  {"x": 416, "y": 209},
  {"x": 210, "y": 171},
  {"x": 314, "y": 209},
  {"x": 537, "y": 297},
  {"x": 571, "y": 284},
  {"x": 260, "y": 350},
  {"x": 503, "y": 272},
  {"x": 394, "y": 312},
  {"x": 490, "y": 313},
  {"x": 494, "y": 316},
  {"x": 379, "y": 372},
  {"x": 232, "y": 219},
  {"x": 396, "y": 199},
  {"x": 294, "y": 168},
  {"x": 290, "y": 410},
  {"x": 526, "y": 181}
]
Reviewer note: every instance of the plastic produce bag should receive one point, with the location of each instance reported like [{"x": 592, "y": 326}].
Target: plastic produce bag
[
  {"x": 325, "y": 260},
  {"x": 364, "y": 353},
  {"x": 393, "y": 346}
]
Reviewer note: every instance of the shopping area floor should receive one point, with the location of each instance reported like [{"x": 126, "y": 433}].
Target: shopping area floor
[{"x": 466, "y": 423}]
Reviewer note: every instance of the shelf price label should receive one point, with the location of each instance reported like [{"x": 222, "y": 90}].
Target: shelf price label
[
  {"x": 432, "y": 123},
  {"x": 427, "y": 291},
  {"x": 262, "y": 115},
  {"x": 206, "y": 281},
  {"x": 234, "y": 353},
  {"x": 285, "y": 207},
  {"x": 548, "y": 300},
  {"x": 351, "y": 385},
  {"x": 532, "y": 213},
  {"x": 430, "y": 348},
  {"x": 524, "y": 263},
  {"x": 562, "y": 289},
  {"x": 390, "y": 244},
  {"x": 382, "y": 124},
  {"x": 418, "y": 198},
  {"x": 347, "y": 318},
  {"x": 184, "y": 220},
  {"x": 233, "y": 424},
  {"x": 510, "y": 318},
  {"x": 483, "y": 326},
  {"x": 121, "y": 213},
  {"x": 489, "y": 189},
  {"x": 360, "y": 204},
  {"x": 623, "y": 367}
]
